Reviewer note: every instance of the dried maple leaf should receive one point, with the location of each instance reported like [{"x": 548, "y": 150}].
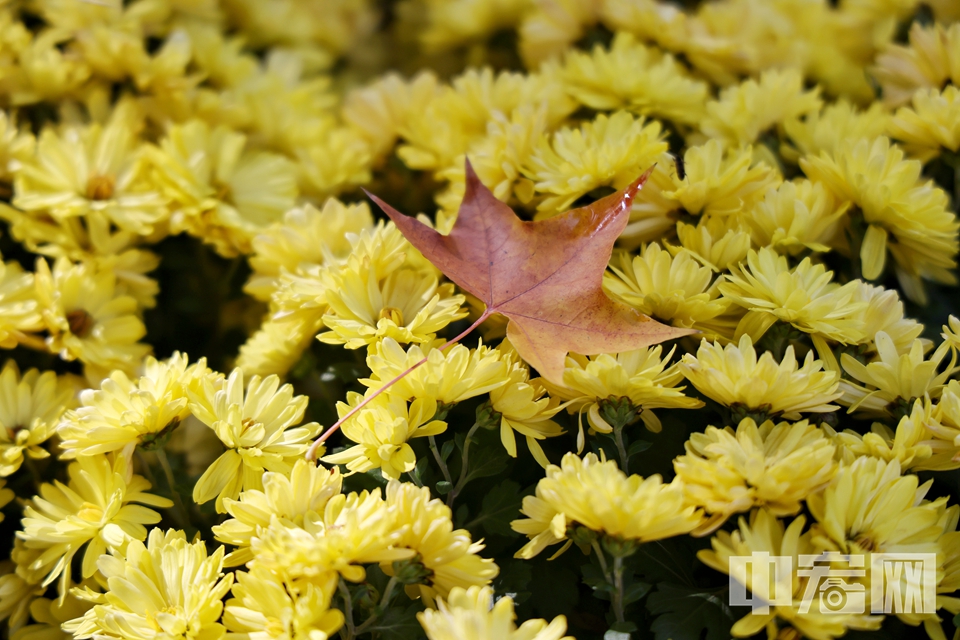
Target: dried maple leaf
[{"x": 545, "y": 276}]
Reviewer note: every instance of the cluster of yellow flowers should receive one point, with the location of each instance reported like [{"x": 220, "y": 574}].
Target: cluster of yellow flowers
[{"x": 804, "y": 157}]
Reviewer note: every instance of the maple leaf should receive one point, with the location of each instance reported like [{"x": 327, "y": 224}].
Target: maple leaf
[{"x": 545, "y": 275}]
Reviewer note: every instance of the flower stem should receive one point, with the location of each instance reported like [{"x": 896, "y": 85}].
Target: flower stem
[
  {"x": 384, "y": 601},
  {"x": 624, "y": 458},
  {"x": 462, "y": 480},
  {"x": 443, "y": 465},
  {"x": 348, "y": 609},
  {"x": 179, "y": 510},
  {"x": 618, "y": 588},
  {"x": 312, "y": 452}
]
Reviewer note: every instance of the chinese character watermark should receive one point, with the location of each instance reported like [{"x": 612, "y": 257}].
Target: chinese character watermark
[{"x": 836, "y": 582}]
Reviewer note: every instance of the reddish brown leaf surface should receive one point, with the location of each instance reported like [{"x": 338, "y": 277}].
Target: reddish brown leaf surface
[{"x": 545, "y": 276}]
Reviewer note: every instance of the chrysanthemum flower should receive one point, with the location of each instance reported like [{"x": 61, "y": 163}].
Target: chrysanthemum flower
[
  {"x": 93, "y": 507},
  {"x": 804, "y": 297},
  {"x": 168, "y": 587},
  {"x": 222, "y": 191},
  {"x": 263, "y": 606},
  {"x": 452, "y": 24},
  {"x": 675, "y": 290},
  {"x": 305, "y": 236},
  {"x": 746, "y": 111},
  {"x": 595, "y": 494},
  {"x": 909, "y": 444},
  {"x": 275, "y": 347},
  {"x": 448, "y": 557},
  {"x": 893, "y": 380},
  {"x": 795, "y": 218},
  {"x": 836, "y": 123},
  {"x": 49, "y": 616},
  {"x": 607, "y": 151},
  {"x": 908, "y": 217},
  {"x": 306, "y": 490},
  {"x": 20, "y": 585},
  {"x": 640, "y": 377},
  {"x": 254, "y": 423},
  {"x": 771, "y": 466},
  {"x": 735, "y": 377},
  {"x": 93, "y": 168},
  {"x": 884, "y": 312},
  {"x": 19, "y": 308},
  {"x": 353, "y": 530},
  {"x": 717, "y": 241},
  {"x": 87, "y": 319},
  {"x": 930, "y": 124},
  {"x": 382, "y": 430},
  {"x": 408, "y": 305},
  {"x": 630, "y": 75},
  {"x": 30, "y": 406},
  {"x": 525, "y": 408},
  {"x": 720, "y": 180},
  {"x": 447, "y": 377},
  {"x": 471, "y": 614},
  {"x": 942, "y": 426},
  {"x": 869, "y": 507},
  {"x": 126, "y": 413},
  {"x": 929, "y": 62},
  {"x": 765, "y": 534}
]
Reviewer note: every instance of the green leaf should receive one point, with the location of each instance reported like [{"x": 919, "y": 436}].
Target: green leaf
[
  {"x": 446, "y": 450},
  {"x": 501, "y": 505},
  {"x": 638, "y": 447},
  {"x": 418, "y": 470},
  {"x": 514, "y": 580},
  {"x": 635, "y": 591},
  {"x": 485, "y": 462},
  {"x": 444, "y": 487},
  {"x": 685, "y": 613},
  {"x": 398, "y": 623}
]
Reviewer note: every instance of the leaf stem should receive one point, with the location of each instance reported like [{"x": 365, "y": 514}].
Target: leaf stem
[
  {"x": 312, "y": 452},
  {"x": 462, "y": 480}
]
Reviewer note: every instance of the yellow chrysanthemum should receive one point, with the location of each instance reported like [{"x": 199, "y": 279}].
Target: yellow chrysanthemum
[
  {"x": 929, "y": 62},
  {"x": 743, "y": 113},
  {"x": 770, "y": 466},
  {"x": 735, "y": 377},
  {"x": 126, "y": 413},
  {"x": 255, "y": 422},
  {"x": 624, "y": 384},
  {"x": 908, "y": 444},
  {"x": 407, "y": 305},
  {"x": 884, "y": 312},
  {"x": 633, "y": 76},
  {"x": 942, "y": 426},
  {"x": 49, "y": 616},
  {"x": 717, "y": 241},
  {"x": 904, "y": 215},
  {"x": 525, "y": 408},
  {"x": 471, "y": 614},
  {"x": 446, "y": 557},
  {"x": 869, "y": 507},
  {"x": 803, "y": 296},
  {"x": 447, "y": 377},
  {"x": 92, "y": 510},
  {"x": 88, "y": 319},
  {"x": 19, "y": 308},
  {"x": 835, "y": 124},
  {"x": 464, "y": 22},
  {"x": 306, "y": 490},
  {"x": 353, "y": 530},
  {"x": 930, "y": 124},
  {"x": 382, "y": 430},
  {"x": 675, "y": 290},
  {"x": 264, "y": 607},
  {"x": 93, "y": 168},
  {"x": 30, "y": 407},
  {"x": 305, "y": 236},
  {"x": 893, "y": 380},
  {"x": 795, "y": 218},
  {"x": 595, "y": 494},
  {"x": 719, "y": 180},
  {"x": 166, "y": 588},
  {"x": 607, "y": 151},
  {"x": 221, "y": 190},
  {"x": 765, "y": 534}
]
